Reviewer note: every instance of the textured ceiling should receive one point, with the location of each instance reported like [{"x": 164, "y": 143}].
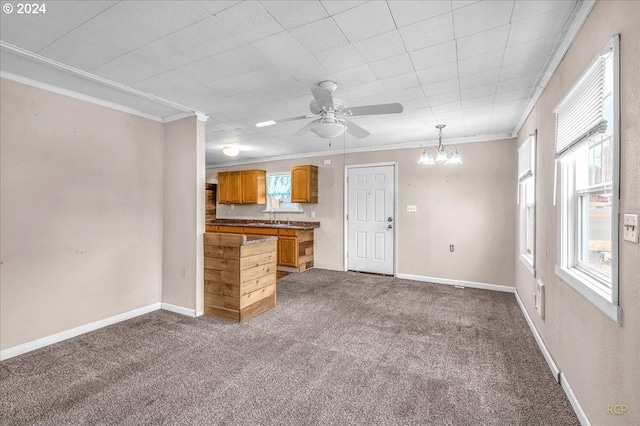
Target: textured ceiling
[{"x": 472, "y": 65}]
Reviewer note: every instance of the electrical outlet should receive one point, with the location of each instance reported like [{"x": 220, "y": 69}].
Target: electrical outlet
[
  {"x": 412, "y": 208},
  {"x": 631, "y": 228},
  {"x": 313, "y": 213}
]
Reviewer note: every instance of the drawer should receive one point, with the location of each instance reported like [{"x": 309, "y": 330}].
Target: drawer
[
  {"x": 289, "y": 232},
  {"x": 211, "y": 228},
  {"x": 231, "y": 229}
]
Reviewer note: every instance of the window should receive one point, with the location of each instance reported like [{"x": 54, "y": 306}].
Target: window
[
  {"x": 527, "y": 202},
  {"x": 279, "y": 193},
  {"x": 587, "y": 147}
]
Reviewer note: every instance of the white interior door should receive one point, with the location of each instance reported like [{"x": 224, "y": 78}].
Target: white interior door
[{"x": 370, "y": 219}]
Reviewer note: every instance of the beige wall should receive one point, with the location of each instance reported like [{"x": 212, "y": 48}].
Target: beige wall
[
  {"x": 471, "y": 206},
  {"x": 80, "y": 211},
  {"x": 183, "y": 213},
  {"x": 600, "y": 359}
]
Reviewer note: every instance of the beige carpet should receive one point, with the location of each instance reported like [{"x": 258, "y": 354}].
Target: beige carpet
[{"x": 340, "y": 348}]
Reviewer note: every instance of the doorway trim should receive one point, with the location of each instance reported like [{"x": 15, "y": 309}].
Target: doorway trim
[{"x": 345, "y": 226}]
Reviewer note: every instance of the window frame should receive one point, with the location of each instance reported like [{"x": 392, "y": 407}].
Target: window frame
[
  {"x": 529, "y": 176},
  {"x": 269, "y": 208},
  {"x": 592, "y": 284}
]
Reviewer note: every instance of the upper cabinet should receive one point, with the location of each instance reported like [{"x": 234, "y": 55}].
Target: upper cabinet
[
  {"x": 254, "y": 186},
  {"x": 242, "y": 187},
  {"x": 304, "y": 184}
]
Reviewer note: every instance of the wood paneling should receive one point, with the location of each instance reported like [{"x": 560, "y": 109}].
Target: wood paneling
[{"x": 240, "y": 278}]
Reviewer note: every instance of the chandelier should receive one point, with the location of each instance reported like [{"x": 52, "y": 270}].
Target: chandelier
[{"x": 442, "y": 154}]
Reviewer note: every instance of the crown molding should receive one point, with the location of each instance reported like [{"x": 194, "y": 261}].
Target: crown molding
[
  {"x": 79, "y": 96},
  {"x": 385, "y": 147},
  {"x": 41, "y": 60}
]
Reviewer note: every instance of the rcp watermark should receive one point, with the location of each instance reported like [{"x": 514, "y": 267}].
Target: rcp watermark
[
  {"x": 617, "y": 409},
  {"x": 25, "y": 8}
]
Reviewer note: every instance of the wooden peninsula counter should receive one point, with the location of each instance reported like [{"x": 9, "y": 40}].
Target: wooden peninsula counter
[{"x": 239, "y": 275}]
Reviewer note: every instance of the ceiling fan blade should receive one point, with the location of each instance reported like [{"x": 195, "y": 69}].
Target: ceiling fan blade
[
  {"x": 374, "y": 109},
  {"x": 306, "y": 128},
  {"x": 355, "y": 130},
  {"x": 282, "y": 120},
  {"x": 323, "y": 96}
]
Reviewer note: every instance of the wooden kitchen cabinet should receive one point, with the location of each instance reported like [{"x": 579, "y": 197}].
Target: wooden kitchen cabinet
[
  {"x": 294, "y": 246},
  {"x": 242, "y": 187},
  {"x": 254, "y": 186},
  {"x": 223, "y": 188},
  {"x": 304, "y": 184},
  {"x": 235, "y": 188},
  {"x": 229, "y": 188},
  {"x": 288, "y": 251}
]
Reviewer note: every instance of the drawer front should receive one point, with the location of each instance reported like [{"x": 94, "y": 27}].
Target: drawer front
[
  {"x": 231, "y": 229},
  {"x": 289, "y": 232},
  {"x": 211, "y": 228}
]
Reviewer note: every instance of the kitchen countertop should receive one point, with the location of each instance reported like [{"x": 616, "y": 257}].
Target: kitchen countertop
[
  {"x": 257, "y": 223},
  {"x": 256, "y": 239}
]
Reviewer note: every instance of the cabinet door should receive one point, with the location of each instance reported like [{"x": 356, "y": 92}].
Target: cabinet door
[
  {"x": 235, "y": 187},
  {"x": 254, "y": 187},
  {"x": 223, "y": 188},
  {"x": 288, "y": 251},
  {"x": 304, "y": 184}
]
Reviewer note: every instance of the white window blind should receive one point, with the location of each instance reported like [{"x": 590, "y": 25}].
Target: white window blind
[
  {"x": 525, "y": 159},
  {"x": 580, "y": 113}
]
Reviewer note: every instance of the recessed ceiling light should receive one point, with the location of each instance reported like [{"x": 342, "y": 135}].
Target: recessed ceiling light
[{"x": 266, "y": 123}]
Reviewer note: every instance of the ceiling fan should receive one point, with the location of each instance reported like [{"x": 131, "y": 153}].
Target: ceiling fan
[{"x": 331, "y": 111}]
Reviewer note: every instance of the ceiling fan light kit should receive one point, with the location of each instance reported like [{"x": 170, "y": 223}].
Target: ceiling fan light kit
[
  {"x": 442, "y": 154},
  {"x": 328, "y": 130},
  {"x": 330, "y": 109}
]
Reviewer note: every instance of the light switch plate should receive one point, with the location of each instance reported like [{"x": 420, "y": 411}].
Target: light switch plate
[
  {"x": 631, "y": 228},
  {"x": 412, "y": 208}
]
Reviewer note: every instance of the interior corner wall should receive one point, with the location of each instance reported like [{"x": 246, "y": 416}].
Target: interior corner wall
[
  {"x": 183, "y": 221},
  {"x": 471, "y": 206},
  {"x": 599, "y": 358},
  {"x": 80, "y": 213}
]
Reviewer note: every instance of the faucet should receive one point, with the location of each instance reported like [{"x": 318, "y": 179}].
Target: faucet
[{"x": 272, "y": 216}]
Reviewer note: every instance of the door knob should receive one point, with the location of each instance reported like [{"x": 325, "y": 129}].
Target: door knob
[
  {"x": 390, "y": 219},
  {"x": 390, "y": 226}
]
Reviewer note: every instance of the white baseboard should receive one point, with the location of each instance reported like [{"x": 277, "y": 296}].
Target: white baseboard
[
  {"x": 68, "y": 334},
  {"x": 471, "y": 284},
  {"x": 543, "y": 348},
  {"x": 584, "y": 420},
  {"x": 179, "y": 309}
]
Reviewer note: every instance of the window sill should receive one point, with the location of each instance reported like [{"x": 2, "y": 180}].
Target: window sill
[
  {"x": 581, "y": 283},
  {"x": 527, "y": 262}
]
